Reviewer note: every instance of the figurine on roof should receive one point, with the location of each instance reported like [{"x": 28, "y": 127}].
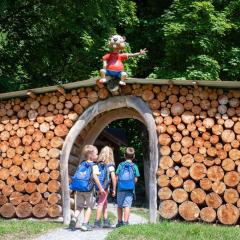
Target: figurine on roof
[{"x": 112, "y": 61}]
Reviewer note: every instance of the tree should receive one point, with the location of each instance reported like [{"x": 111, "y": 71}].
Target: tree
[
  {"x": 197, "y": 41},
  {"x": 54, "y": 42}
]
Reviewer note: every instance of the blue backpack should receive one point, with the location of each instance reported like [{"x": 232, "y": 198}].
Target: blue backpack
[
  {"x": 126, "y": 177},
  {"x": 104, "y": 176},
  {"x": 82, "y": 180}
]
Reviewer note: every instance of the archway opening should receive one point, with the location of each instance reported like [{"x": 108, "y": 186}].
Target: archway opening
[
  {"x": 104, "y": 112},
  {"x": 129, "y": 132}
]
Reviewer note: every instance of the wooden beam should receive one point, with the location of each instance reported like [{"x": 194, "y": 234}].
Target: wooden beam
[{"x": 92, "y": 82}]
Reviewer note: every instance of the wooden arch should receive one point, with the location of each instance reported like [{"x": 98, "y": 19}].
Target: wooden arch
[{"x": 104, "y": 106}]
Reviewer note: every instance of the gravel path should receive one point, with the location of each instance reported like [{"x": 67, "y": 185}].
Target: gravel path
[{"x": 100, "y": 234}]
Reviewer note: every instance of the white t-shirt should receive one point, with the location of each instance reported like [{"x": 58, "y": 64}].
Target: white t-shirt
[
  {"x": 111, "y": 169},
  {"x": 95, "y": 169}
]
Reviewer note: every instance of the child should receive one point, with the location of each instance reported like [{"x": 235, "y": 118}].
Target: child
[
  {"x": 107, "y": 171},
  {"x": 127, "y": 174},
  {"x": 84, "y": 187}
]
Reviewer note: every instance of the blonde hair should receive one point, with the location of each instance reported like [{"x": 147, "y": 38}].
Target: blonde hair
[
  {"x": 106, "y": 155},
  {"x": 88, "y": 149}
]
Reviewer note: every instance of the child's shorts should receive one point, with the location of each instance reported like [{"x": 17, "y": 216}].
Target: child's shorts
[
  {"x": 85, "y": 199},
  {"x": 102, "y": 198},
  {"x": 116, "y": 74},
  {"x": 124, "y": 199}
]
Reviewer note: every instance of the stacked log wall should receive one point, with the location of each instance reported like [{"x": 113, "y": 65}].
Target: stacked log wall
[{"x": 199, "y": 138}]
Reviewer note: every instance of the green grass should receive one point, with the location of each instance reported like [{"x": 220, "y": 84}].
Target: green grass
[
  {"x": 111, "y": 217},
  {"x": 24, "y": 229},
  {"x": 175, "y": 230},
  {"x": 143, "y": 212}
]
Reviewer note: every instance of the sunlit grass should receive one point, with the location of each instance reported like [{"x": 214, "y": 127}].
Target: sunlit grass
[{"x": 24, "y": 229}]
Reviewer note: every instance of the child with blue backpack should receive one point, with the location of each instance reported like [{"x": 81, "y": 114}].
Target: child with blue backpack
[
  {"x": 127, "y": 176},
  {"x": 107, "y": 174},
  {"x": 83, "y": 183}
]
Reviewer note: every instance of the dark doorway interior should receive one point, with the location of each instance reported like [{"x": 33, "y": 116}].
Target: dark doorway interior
[{"x": 129, "y": 132}]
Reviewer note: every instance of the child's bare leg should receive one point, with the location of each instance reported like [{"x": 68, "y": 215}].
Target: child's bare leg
[
  {"x": 105, "y": 211},
  {"x": 99, "y": 212},
  {"x": 87, "y": 215},
  {"x": 123, "y": 78},
  {"x": 77, "y": 213},
  {"x": 126, "y": 214},
  {"x": 120, "y": 214}
]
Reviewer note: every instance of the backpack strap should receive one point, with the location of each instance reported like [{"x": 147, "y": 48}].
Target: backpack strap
[
  {"x": 131, "y": 164},
  {"x": 107, "y": 173},
  {"x": 91, "y": 164}
]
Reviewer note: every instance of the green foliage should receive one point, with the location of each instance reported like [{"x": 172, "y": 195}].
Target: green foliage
[
  {"x": 133, "y": 131},
  {"x": 203, "y": 68},
  {"x": 53, "y": 42},
  {"x": 231, "y": 67},
  {"x": 194, "y": 34}
]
